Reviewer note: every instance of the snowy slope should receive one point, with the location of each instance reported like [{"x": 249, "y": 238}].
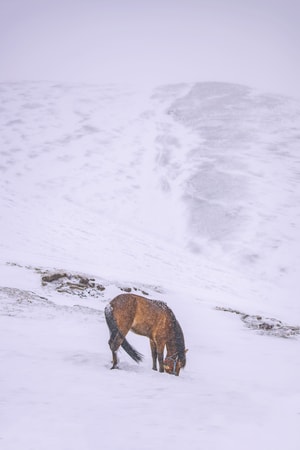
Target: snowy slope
[{"x": 189, "y": 193}]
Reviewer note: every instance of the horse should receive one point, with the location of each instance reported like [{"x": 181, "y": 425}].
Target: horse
[{"x": 150, "y": 318}]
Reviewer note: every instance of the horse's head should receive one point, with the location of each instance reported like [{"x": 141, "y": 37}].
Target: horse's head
[{"x": 173, "y": 363}]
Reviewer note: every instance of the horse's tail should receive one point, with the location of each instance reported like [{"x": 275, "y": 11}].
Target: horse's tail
[
  {"x": 135, "y": 355},
  {"x": 116, "y": 335}
]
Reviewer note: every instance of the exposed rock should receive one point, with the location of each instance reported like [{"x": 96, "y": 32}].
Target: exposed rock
[
  {"x": 265, "y": 325},
  {"x": 77, "y": 284}
]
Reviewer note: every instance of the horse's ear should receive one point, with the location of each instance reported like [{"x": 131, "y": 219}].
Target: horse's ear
[{"x": 186, "y": 350}]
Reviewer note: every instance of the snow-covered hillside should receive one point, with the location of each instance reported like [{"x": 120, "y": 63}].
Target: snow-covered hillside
[{"x": 187, "y": 193}]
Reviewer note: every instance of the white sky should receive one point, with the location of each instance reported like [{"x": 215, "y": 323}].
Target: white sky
[{"x": 255, "y": 42}]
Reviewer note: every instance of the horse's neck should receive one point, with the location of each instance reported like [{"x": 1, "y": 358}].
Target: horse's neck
[
  {"x": 171, "y": 344},
  {"x": 175, "y": 341},
  {"x": 171, "y": 348}
]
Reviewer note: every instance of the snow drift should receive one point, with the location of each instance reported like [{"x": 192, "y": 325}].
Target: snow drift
[{"x": 186, "y": 193}]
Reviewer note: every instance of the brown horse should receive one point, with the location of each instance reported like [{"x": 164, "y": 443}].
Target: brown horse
[{"x": 150, "y": 318}]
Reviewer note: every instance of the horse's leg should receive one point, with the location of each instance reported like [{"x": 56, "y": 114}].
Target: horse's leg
[
  {"x": 154, "y": 354},
  {"x": 116, "y": 341},
  {"x": 160, "y": 355},
  {"x": 114, "y": 345},
  {"x": 115, "y": 360}
]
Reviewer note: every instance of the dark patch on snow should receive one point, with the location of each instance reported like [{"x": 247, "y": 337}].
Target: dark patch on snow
[
  {"x": 21, "y": 303},
  {"x": 265, "y": 325},
  {"x": 66, "y": 283},
  {"x": 82, "y": 285}
]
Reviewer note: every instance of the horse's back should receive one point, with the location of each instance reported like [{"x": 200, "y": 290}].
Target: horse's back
[
  {"x": 124, "y": 310},
  {"x": 122, "y": 301},
  {"x": 141, "y": 314}
]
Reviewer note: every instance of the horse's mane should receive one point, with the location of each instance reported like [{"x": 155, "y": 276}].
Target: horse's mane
[
  {"x": 179, "y": 341},
  {"x": 179, "y": 338}
]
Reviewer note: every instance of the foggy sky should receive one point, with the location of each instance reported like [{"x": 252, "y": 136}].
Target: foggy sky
[{"x": 255, "y": 42}]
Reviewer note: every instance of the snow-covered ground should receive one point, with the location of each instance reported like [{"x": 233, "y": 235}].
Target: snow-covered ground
[{"x": 187, "y": 193}]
